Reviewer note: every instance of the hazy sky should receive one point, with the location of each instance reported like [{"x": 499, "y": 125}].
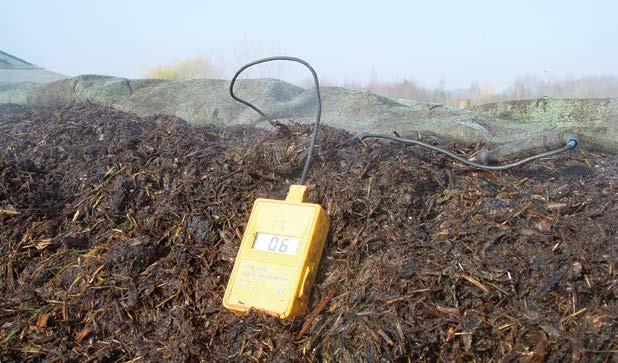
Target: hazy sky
[{"x": 457, "y": 41}]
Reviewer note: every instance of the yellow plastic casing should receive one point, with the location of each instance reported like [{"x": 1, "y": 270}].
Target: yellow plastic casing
[{"x": 278, "y": 284}]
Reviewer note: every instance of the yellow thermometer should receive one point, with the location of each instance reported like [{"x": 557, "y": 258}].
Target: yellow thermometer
[{"x": 278, "y": 257}]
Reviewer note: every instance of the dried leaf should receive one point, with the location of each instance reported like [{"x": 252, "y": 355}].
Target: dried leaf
[
  {"x": 448, "y": 310},
  {"x": 41, "y": 322},
  {"x": 82, "y": 334},
  {"x": 544, "y": 225}
]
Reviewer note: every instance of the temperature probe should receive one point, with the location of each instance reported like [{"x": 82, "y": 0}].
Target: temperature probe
[{"x": 282, "y": 245}]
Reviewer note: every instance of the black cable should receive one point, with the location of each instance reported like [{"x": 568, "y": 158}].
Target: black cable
[
  {"x": 303, "y": 177},
  {"x": 569, "y": 146}
]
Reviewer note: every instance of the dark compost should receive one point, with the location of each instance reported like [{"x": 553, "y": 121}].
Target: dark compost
[{"x": 118, "y": 234}]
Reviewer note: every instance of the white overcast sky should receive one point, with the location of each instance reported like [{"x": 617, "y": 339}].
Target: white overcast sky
[{"x": 456, "y": 41}]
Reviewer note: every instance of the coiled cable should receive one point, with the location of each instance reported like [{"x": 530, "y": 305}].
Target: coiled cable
[{"x": 303, "y": 177}]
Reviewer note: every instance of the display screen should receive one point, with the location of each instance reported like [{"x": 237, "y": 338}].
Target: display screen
[{"x": 273, "y": 243}]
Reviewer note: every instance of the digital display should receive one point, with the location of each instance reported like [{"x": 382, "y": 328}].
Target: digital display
[{"x": 273, "y": 243}]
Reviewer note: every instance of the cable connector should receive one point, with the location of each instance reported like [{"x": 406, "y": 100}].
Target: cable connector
[
  {"x": 570, "y": 139},
  {"x": 296, "y": 193}
]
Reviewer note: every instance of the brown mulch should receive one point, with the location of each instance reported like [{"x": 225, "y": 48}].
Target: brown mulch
[{"x": 118, "y": 235}]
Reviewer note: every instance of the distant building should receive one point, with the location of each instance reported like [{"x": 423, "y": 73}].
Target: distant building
[{"x": 13, "y": 69}]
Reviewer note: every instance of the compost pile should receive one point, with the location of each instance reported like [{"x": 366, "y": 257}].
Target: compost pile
[{"x": 118, "y": 235}]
